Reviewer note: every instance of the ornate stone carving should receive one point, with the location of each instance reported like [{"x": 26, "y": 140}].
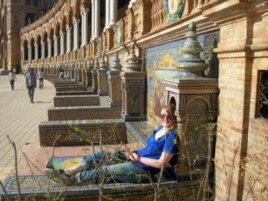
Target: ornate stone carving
[
  {"x": 102, "y": 78},
  {"x": 115, "y": 94},
  {"x": 132, "y": 64},
  {"x": 190, "y": 64}
]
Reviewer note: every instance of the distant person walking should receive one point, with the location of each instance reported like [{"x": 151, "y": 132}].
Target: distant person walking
[
  {"x": 40, "y": 76},
  {"x": 61, "y": 73},
  {"x": 31, "y": 83},
  {"x": 12, "y": 78}
]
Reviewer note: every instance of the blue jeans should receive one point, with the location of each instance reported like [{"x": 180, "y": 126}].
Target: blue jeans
[
  {"x": 31, "y": 92},
  {"x": 41, "y": 83},
  {"x": 107, "y": 167},
  {"x": 12, "y": 84}
]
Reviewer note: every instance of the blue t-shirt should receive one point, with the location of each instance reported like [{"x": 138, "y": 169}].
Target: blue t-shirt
[{"x": 154, "y": 148}]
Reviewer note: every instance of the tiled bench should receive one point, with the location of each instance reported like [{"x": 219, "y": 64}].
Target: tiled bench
[
  {"x": 83, "y": 112},
  {"x": 82, "y": 132},
  {"x": 63, "y": 93},
  {"x": 71, "y": 88},
  {"x": 41, "y": 186},
  {"x": 78, "y": 100}
]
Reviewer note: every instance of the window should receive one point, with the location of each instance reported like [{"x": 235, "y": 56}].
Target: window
[
  {"x": 29, "y": 18},
  {"x": 35, "y": 2},
  {"x": 262, "y": 108}
]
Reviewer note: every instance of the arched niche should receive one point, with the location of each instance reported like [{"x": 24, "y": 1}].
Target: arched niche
[{"x": 197, "y": 137}]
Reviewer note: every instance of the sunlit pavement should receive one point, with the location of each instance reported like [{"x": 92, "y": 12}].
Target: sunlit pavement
[{"x": 19, "y": 119}]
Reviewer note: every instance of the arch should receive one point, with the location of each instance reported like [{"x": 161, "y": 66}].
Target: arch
[
  {"x": 196, "y": 131},
  {"x": 172, "y": 101},
  {"x": 51, "y": 33},
  {"x": 51, "y": 36},
  {"x": 45, "y": 36},
  {"x": 76, "y": 9},
  {"x": 32, "y": 48},
  {"x": 197, "y": 98},
  {"x": 25, "y": 49},
  {"x": 63, "y": 23},
  {"x": 38, "y": 41},
  {"x": 57, "y": 29},
  {"x": 29, "y": 18}
]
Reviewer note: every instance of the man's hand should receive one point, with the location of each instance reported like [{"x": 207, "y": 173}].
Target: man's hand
[{"x": 132, "y": 156}]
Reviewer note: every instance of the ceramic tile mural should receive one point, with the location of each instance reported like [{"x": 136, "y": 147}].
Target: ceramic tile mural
[{"x": 160, "y": 64}]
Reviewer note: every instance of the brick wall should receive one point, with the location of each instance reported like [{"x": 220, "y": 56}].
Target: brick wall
[
  {"x": 241, "y": 137},
  {"x": 256, "y": 174}
]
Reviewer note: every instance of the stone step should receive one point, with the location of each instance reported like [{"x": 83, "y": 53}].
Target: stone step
[
  {"x": 71, "y": 88},
  {"x": 58, "y": 84},
  {"x": 63, "y": 93},
  {"x": 82, "y": 132},
  {"x": 78, "y": 100},
  {"x": 67, "y": 85},
  {"x": 59, "y": 80},
  {"x": 83, "y": 112}
]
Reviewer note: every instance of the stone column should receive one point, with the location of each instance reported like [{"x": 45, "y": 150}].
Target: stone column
[
  {"x": 75, "y": 73},
  {"x": 107, "y": 14},
  {"x": 35, "y": 50},
  {"x": 48, "y": 47},
  {"x": 113, "y": 12},
  {"x": 84, "y": 74},
  {"x": 64, "y": 42},
  {"x": 94, "y": 76},
  {"x": 22, "y": 53},
  {"x": 97, "y": 19},
  {"x": 76, "y": 33},
  {"x": 89, "y": 74},
  {"x": 72, "y": 72},
  {"x": 61, "y": 42},
  {"x": 29, "y": 52},
  {"x": 68, "y": 38},
  {"x": 42, "y": 49},
  {"x": 82, "y": 27},
  {"x": 86, "y": 10},
  {"x": 133, "y": 89},
  {"x": 102, "y": 78},
  {"x": 55, "y": 45},
  {"x": 114, "y": 82},
  {"x": 92, "y": 19}
]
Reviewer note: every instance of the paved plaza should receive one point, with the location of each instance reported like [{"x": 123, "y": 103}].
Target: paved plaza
[{"x": 19, "y": 118}]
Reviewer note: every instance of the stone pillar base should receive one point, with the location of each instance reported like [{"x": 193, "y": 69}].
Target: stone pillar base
[{"x": 133, "y": 95}]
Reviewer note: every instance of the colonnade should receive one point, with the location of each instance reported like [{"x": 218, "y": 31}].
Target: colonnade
[{"x": 66, "y": 37}]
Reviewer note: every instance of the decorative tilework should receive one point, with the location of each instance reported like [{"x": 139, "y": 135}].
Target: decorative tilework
[{"x": 159, "y": 68}]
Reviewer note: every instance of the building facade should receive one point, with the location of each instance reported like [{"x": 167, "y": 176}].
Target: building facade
[
  {"x": 14, "y": 15},
  {"x": 153, "y": 41}
]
